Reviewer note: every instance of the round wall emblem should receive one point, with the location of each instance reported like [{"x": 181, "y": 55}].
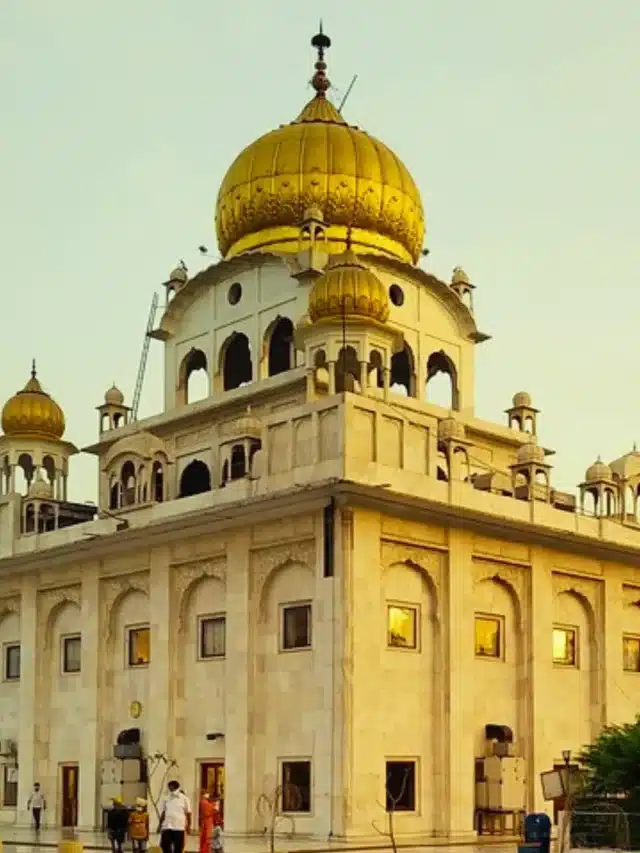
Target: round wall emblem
[{"x": 135, "y": 709}]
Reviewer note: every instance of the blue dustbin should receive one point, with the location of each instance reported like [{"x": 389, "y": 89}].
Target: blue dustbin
[{"x": 537, "y": 830}]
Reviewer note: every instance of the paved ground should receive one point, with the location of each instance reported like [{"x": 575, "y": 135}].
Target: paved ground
[{"x": 21, "y": 840}]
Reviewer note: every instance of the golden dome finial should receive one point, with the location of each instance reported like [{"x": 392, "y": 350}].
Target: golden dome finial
[
  {"x": 33, "y": 369},
  {"x": 320, "y": 81}
]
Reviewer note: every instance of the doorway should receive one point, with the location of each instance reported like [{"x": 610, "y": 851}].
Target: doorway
[
  {"x": 69, "y": 791},
  {"x": 212, "y": 781}
]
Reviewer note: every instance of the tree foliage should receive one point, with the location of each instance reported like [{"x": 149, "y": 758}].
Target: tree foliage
[{"x": 612, "y": 761}]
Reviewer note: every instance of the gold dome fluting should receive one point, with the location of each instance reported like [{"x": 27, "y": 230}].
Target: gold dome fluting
[
  {"x": 319, "y": 160},
  {"x": 598, "y": 472},
  {"x": 114, "y": 396},
  {"x": 31, "y": 413},
  {"x": 348, "y": 289},
  {"x": 529, "y": 453},
  {"x": 449, "y": 428},
  {"x": 522, "y": 400}
]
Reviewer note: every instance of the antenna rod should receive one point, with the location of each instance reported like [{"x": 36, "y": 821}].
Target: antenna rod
[{"x": 348, "y": 92}]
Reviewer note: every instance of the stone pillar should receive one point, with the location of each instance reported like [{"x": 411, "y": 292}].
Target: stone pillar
[
  {"x": 28, "y": 668},
  {"x": 88, "y": 807},
  {"x": 538, "y": 642},
  {"x": 459, "y": 636},
  {"x": 611, "y": 663},
  {"x": 364, "y": 731},
  {"x": 240, "y": 797},
  {"x": 331, "y": 367},
  {"x": 311, "y": 386},
  {"x": 162, "y": 619}
]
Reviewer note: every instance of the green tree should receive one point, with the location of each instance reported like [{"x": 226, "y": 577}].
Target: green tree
[{"x": 612, "y": 761}]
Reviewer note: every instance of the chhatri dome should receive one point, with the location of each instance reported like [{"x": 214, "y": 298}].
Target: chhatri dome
[
  {"x": 348, "y": 289},
  {"x": 31, "y": 413},
  {"x": 320, "y": 161}
]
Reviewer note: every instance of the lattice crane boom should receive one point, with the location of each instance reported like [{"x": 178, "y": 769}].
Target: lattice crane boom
[{"x": 143, "y": 358}]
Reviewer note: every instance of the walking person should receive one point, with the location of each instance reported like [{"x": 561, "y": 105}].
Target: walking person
[
  {"x": 175, "y": 820},
  {"x": 139, "y": 826},
  {"x": 207, "y": 811},
  {"x": 117, "y": 824},
  {"x": 37, "y": 804}
]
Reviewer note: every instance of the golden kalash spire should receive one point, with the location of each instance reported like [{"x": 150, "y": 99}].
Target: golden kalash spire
[
  {"x": 32, "y": 413},
  {"x": 319, "y": 161}
]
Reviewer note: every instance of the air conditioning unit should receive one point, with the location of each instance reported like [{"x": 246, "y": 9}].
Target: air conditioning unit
[{"x": 7, "y": 748}]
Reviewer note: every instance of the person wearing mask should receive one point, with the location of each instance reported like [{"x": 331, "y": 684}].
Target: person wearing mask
[
  {"x": 139, "y": 826},
  {"x": 175, "y": 820},
  {"x": 37, "y": 805}
]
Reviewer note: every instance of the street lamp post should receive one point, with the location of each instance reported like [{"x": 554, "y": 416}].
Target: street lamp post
[{"x": 565, "y": 839}]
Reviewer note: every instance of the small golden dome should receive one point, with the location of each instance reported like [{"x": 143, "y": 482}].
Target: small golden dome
[
  {"x": 598, "y": 472},
  {"x": 522, "y": 400},
  {"x": 451, "y": 428},
  {"x": 179, "y": 275},
  {"x": 530, "y": 452},
  {"x": 459, "y": 276},
  {"x": 319, "y": 161},
  {"x": 348, "y": 289},
  {"x": 114, "y": 396},
  {"x": 33, "y": 413}
]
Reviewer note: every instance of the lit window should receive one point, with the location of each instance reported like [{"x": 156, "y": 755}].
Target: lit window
[
  {"x": 565, "y": 646},
  {"x": 401, "y": 627},
  {"x": 212, "y": 637},
  {"x": 296, "y": 627},
  {"x": 139, "y": 646},
  {"x": 401, "y": 786},
  {"x": 631, "y": 654},
  {"x": 71, "y": 654},
  {"x": 488, "y": 636},
  {"x": 12, "y": 662},
  {"x": 296, "y": 786}
]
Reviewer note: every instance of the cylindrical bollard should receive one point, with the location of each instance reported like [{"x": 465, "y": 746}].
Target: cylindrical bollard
[{"x": 70, "y": 846}]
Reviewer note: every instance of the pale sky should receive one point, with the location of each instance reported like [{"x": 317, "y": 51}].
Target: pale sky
[{"x": 519, "y": 122}]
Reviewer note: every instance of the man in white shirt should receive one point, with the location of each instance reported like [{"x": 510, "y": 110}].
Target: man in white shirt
[
  {"x": 175, "y": 820},
  {"x": 36, "y": 804}
]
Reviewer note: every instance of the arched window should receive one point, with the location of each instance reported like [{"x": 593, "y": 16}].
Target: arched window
[
  {"x": 375, "y": 371},
  {"x": 46, "y": 518},
  {"x": 195, "y": 479},
  {"x": 403, "y": 372},
  {"x": 114, "y": 494},
  {"x": 157, "y": 482},
  {"x": 194, "y": 377},
  {"x": 128, "y": 480},
  {"x": 49, "y": 468},
  {"x": 24, "y": 473},
  {"x": 238, "y": 462},
  {"x": 347, "y": 369},
  {"x": 442, "y": 381},
  {"x": 30, "y": 519},
  {"x": 237, "y": 368},
  {"x": 281, "y": 349}
]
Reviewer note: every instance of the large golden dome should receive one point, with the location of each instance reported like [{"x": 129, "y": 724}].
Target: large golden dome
[
  {"x": 347, "y": 289},
  {"x": 319, "y": 160},
  {"x": 31, "y": 413}
]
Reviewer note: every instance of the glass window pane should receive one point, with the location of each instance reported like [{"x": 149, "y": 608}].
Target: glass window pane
[
  {"x": 631, "y": 654},
  {"x": 564, "y": 646},
  {"x": 487, "y": 637},
  {"x": 297, "y": 627},
  {"x": 72, "y": 654},
  {"x": 212, "y": 637},
  {"x": 139, "y": 646},
  {"x": 401, "y": 627},
  {"x": 12, "y": 662}
]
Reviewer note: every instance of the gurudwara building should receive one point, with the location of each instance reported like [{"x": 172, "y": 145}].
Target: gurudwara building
[{"x": 312, "y": 576}]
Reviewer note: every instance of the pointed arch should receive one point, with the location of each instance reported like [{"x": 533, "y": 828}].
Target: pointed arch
[
  {"x": 236, "y": 365},
  {"x": 447, "y": 394}
]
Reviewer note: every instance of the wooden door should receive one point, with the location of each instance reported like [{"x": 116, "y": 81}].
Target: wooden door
[
  {"x": 212, "y": 781},
  {"x": 69, "y": 795}
]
